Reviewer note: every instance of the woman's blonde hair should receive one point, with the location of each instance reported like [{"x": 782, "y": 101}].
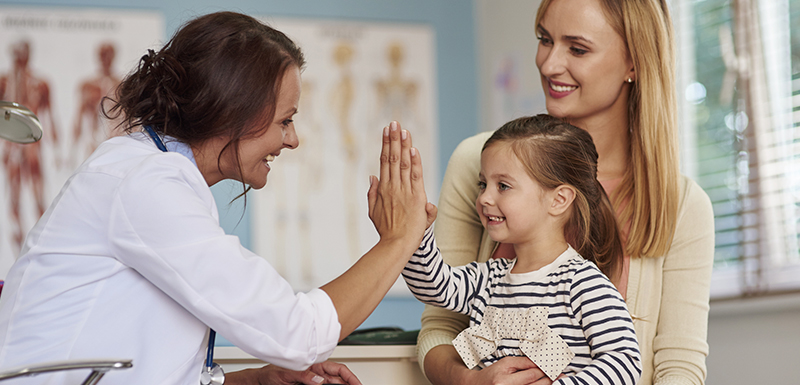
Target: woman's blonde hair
[{"x": 648, "y": 193}]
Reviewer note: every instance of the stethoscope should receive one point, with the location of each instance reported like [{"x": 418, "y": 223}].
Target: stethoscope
[{"x": 212, "y": 373}]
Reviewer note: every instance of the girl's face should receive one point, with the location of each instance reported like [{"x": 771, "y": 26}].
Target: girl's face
[
  {"x": 257, "y": 152},
  {"x": 583, "y": 63},
  {"x": 512, "y": 206}
]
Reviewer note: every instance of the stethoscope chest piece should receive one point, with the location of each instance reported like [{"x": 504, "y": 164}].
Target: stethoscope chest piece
[{"x": 212, "y": 375}]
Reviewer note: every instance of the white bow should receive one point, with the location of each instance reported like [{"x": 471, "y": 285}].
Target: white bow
[{"x": 529, "y": 326}]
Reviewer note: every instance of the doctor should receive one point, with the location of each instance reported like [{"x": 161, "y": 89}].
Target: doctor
[{"x": 129, "y": 261}]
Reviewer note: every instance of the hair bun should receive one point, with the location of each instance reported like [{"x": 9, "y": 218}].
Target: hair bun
[
  {"x": 161, "y": 66},
  {"x": 162, "y": 75}
]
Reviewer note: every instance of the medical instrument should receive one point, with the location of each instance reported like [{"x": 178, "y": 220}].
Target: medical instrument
[
  {"x": 212, "y": 373},
  {"x": 18, "y": 124},
  {"x": 156, "y": 138}
]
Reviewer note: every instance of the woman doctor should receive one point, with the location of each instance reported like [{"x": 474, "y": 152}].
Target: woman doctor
[{"x": 130, "y": 260}]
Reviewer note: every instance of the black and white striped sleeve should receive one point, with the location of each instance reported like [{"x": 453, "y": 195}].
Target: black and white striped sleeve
[
  {"x": 607, "y": 325},
  {"x": 434, "y": 282}
]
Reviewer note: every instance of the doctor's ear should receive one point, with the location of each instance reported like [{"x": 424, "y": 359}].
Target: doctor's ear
[{"x": 563, "y": 196}]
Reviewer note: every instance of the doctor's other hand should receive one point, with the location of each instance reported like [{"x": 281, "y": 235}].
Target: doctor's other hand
[
  {"x": 398, "y": 206},
  {"x": 327, "y": 372}
]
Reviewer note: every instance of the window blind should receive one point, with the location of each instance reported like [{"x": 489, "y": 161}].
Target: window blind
[{"x": 739, "y": 112}]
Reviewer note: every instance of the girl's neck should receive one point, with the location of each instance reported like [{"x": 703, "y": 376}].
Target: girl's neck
[{"x": 534, "y": 256}]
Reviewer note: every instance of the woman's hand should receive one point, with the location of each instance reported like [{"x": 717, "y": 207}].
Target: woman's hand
[
  {"x": 327, "y": 372},
  {"x": 443, "y": 366},
  {"x": 510, "y": 371},
  {"x": 396, "y": 198}
]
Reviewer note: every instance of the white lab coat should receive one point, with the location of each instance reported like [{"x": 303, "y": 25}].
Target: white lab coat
[{"x": 130, "y": 262}]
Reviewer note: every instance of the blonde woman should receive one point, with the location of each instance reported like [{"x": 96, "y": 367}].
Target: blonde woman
[{"x": 607, "y": 67}]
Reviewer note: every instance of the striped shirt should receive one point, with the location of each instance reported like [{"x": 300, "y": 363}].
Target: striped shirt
[{"x": 584, "y": 308}]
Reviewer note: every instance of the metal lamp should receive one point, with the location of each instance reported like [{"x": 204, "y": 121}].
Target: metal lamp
[{"x": 18, "y": 124}]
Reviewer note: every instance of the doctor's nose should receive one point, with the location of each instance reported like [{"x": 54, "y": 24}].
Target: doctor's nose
[{"x": 290, "y": 139}]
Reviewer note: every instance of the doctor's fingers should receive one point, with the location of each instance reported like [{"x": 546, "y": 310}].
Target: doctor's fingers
[
  {"x": 405, "y": 157},
  {"x": 372, "y": 195},
  {"x": 410, "y": 187},
  {"x": 375, "y": 202},
  {"x": 391, "y": 156},
  {"x": 335, "y": 373},
  {"x": 386, "y": 143}
]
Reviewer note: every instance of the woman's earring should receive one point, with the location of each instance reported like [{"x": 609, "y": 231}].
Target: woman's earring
[{"x": 630, "y": 80}]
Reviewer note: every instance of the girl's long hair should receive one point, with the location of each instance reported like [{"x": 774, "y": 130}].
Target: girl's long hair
[{"x": 556, "y": 153}]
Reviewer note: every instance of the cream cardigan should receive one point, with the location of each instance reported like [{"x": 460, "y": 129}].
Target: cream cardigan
[{"x": 667, "y": 296}]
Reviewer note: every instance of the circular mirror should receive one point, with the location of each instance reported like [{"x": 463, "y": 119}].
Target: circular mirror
[{"x": 19, "y": 124}]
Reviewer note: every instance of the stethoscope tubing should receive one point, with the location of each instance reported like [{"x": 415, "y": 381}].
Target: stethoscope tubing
[
  {"x": 211, "y": 334},
  {"x": 157, "y": 139}
]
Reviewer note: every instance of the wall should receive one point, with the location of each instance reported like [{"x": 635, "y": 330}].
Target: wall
[
  {"x": 754, "y": 341},
  {"x": 509, "y": 82}
]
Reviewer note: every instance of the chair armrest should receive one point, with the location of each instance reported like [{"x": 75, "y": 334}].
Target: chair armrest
[{"x": 98, "y": 367}]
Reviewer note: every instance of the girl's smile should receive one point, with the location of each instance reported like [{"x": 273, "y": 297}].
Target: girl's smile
[{"x": 511, "y": 205}]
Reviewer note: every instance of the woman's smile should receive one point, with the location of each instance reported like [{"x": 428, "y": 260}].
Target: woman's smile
[{"x": 559, "y": 90}]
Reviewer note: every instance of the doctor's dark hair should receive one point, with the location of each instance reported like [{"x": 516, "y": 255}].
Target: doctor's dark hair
[
  {"x": 219, "y": 76},
  {"x": 556, "y": 153}
]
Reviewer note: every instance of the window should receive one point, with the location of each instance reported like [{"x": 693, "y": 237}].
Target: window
[{"x": 739, "y": 93}]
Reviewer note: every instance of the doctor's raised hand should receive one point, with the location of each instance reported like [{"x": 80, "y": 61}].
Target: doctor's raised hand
[
  {"x": 399, "y": 209},
  {"x": 401, "y": 182}
]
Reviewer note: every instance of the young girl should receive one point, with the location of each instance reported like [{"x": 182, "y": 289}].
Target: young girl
[{"x": 539, "y": 192}]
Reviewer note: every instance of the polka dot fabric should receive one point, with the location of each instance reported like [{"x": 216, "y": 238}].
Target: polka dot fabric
[{"x": 527, "y": 327}]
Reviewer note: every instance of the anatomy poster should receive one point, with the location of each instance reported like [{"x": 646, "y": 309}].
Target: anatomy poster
[
  {"x": 311, "y": 220},
  {"x": 59, "y": 63}
]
